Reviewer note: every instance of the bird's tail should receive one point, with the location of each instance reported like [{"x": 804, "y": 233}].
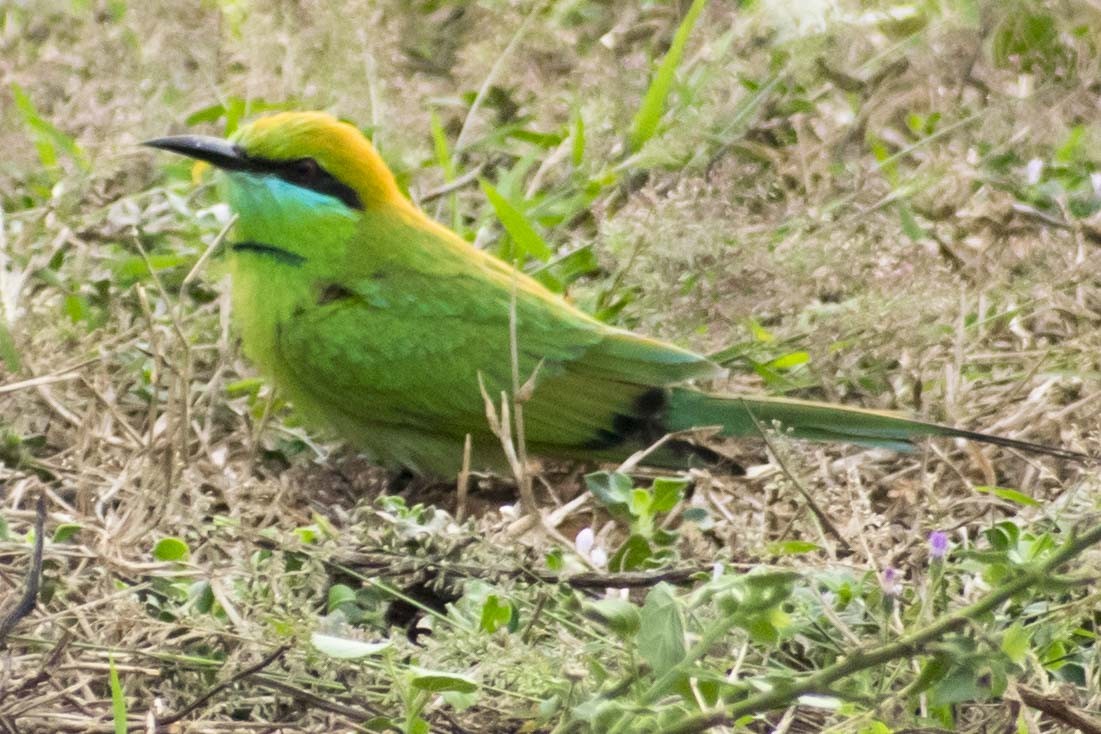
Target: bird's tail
[{"x": 748, "y": 416}]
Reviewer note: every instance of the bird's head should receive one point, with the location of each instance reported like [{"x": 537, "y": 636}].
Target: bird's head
[{"x": 305, "y": 157}]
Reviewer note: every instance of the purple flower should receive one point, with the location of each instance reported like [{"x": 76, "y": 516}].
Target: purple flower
[
  {"x": 890, "y": 582},
  {"x": 938, "y": 545}
]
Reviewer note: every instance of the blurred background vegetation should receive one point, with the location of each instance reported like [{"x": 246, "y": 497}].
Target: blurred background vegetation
[{"x": 892, "y": 204}]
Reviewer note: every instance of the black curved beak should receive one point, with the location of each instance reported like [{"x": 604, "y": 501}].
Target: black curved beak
[{"x": 215, "y": 151}]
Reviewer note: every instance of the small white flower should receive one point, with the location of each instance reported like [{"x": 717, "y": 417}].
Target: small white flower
[
  {"x": 584, "y": 541},
  {"x": 1033, "y": 171},
  {"x": 218, "y": 456},
  {"x": 585, "y": 544}
]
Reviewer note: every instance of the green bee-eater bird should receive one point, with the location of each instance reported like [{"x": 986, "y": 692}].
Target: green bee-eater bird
[{"x": 380, "y": 322}]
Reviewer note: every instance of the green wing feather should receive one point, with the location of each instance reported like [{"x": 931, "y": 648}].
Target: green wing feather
[{"x": 398, "y": 354}]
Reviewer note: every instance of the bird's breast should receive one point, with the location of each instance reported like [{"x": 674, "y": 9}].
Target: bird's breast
[{"x": 270, "y": 286}]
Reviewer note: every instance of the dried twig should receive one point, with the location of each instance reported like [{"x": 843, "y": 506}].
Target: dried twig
[
  {"x": 215, "y": 690},
  {"x": 301, "y": 694},
  {"x": 1059, "y": 710},
  {"x": 823, "y": 519},
  {"x": 27, "y": 601}
]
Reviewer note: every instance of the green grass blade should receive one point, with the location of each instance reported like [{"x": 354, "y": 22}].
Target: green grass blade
[
  {"x": 649, "y": 114},
  {"x": 442, "y": 150},
  {"x": 577, "y": 139},
  {"x": 48, "y": 138},
  {"x": 527, "y": 240},
  {"x": 9, "y": 353},
  {"x": 446, "y": 162},
  {"x": 118, "y": 701}
]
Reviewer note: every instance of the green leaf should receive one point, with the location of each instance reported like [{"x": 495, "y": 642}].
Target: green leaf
[
  {"x": 248, "y": 386},
  {"x": 340, "y": 594},
  {"x": 1010, "y": 495},
  {"x": 133, "y": 269},
  {"x": 639, "y": 503},
  {"x": 438, "y": 682},
  {"x": 65, "y": 531},
  {"x": 48, "y": 139},
  {"x": 934, "y": 670},
  {"x": 562, "y": 271},
  {"x": 620, "y": 615},
  {"x": 875, "y": 727},
  {"x": 599, "y": 713},
  {"x": 792, "y": 548},
  {"x": 556, "y": 559},
  {"x": 1072, "y": 149},
  {"x": 1015, "y": 643},
  {"x": 495, "y": 613},
  {"x": 909, "y": 224},
  {"x": 75, "y": 307},
  {"x": 459, "y": 700},
  {"x": 201, "y": 594},
  {"x": 234, "y": 110},
  {"x": 342, "y": 648},
  {"x": 543, "y": 140},
  {"x": 700, "y": 516},
  {"x": 961, "y": 684},
  {"x": 767, "y": 589},
  {"x": 308, "y": 534},
  {"x": 760, "y": 333},
  {"x": 788, "y": 361},
  {"x": 171, "y": 549},
  {"x": 213, "y": 113},
  {"x": 118, "y": 699},
  {"x": 761, "y": 629},
  {"x": 667, "y": 492},
  {"x": 613, "y": 490},
  {"x": 1004, "y": 535},
  {"x": 652, "y": 109},
  {"x": 632, "y": 555},
  {"x": 661, "y": 630},
  {"x": 752, "y": 594},
  {"x": 527, "y": 240}
]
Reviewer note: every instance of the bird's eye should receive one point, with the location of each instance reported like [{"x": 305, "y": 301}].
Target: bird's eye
[{"x": 306, "y": 170}]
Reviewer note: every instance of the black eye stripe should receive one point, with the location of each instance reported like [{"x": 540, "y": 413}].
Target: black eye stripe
[
  {"x": 317, "y": 179},
  {"x": 304, "y": 172}
]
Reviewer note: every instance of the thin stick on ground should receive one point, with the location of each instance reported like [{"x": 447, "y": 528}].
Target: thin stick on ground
[
  {"x": 215, "y": 690},
  {"x": 820, "y": 515},
  {"x": 462, "y": 485},
  {"x": 29, "y": 599},
  {"x": 1060, "y": 710}
]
